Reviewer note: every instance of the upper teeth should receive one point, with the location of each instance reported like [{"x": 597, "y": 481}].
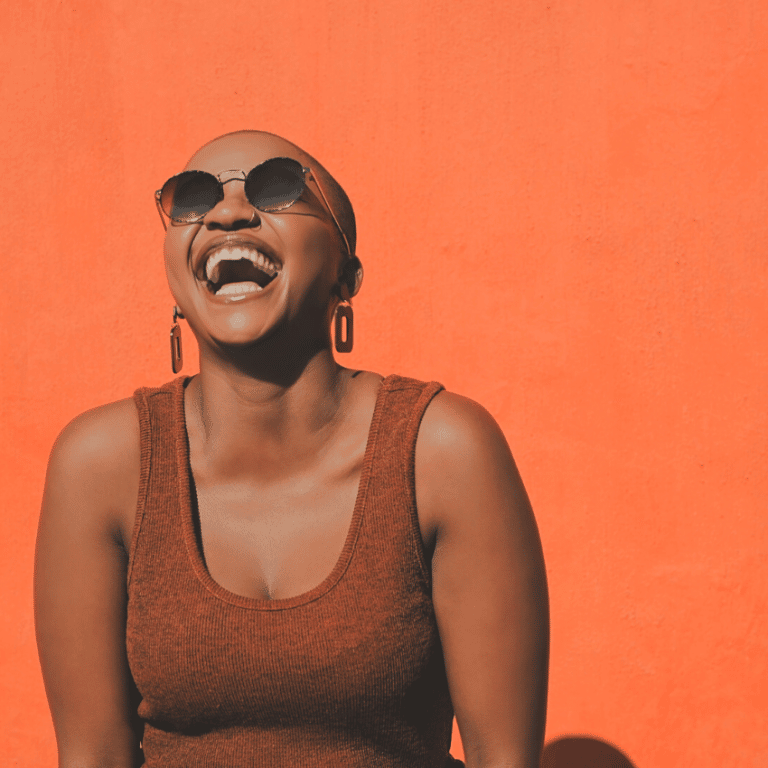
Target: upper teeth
[{"x": 236, "y": 253}]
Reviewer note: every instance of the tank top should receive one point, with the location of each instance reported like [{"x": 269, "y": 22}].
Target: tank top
[{"x": 348, "y": 674}]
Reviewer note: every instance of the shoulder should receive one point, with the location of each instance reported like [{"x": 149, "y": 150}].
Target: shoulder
[
  {"x": 456, "y": 430},
  {"x": 100, "y": 438},
  {"x": 95, "y": 462},
  {"x": 464, "y": 466}
]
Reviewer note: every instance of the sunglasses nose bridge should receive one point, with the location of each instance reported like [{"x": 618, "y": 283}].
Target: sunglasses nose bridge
[{"x": 235, "y": 174}]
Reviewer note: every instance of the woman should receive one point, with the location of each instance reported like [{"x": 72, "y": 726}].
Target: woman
[{"x": 322, "y": 564}]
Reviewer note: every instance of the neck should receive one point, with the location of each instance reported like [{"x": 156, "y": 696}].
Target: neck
[{"x": 242, "y": 417}]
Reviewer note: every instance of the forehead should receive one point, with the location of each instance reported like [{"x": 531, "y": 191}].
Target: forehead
[{"x": 242, "y": 151}]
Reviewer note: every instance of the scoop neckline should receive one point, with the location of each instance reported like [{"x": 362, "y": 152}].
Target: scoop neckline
[{"x": 194, "y": 553}]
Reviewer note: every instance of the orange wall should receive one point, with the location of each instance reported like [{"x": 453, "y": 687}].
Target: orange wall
[{"x": 562, "y": 213}]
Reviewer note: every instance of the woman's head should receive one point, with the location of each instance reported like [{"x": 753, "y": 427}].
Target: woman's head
[{"x": 247, "y": 268}]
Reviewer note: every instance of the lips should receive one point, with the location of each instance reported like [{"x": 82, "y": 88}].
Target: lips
[{"x": 237, "y": 266}]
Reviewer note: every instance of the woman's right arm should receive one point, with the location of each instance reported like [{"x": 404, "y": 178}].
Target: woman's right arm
[{"x": 80, "y": 589}]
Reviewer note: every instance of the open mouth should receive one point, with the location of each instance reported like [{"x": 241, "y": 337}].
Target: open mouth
[{"x": 239, "y": 269}]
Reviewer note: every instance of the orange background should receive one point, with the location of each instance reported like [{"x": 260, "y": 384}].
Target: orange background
[{"x": 562, "y": 214}]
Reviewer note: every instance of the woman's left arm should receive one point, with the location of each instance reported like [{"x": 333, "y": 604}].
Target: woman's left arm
[{"x": 488, "y": 583}]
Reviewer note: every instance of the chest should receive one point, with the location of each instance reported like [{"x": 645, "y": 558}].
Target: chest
[{"x": 276, "y": 540}]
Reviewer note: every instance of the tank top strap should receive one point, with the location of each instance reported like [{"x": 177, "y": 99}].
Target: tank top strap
[
  {"x": 158, "y": 477},
  {"x": 393, "y": 476}
]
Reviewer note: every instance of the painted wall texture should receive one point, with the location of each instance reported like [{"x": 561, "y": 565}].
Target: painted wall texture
[{"x": 562, "y": 214}]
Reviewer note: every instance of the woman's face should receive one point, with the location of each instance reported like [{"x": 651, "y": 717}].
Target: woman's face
[{"x": 300, "y": 243}]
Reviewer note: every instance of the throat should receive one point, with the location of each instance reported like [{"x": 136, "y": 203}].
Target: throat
[{"x": 266, "y": 431}]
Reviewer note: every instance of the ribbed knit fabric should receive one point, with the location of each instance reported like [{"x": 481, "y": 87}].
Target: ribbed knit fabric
[{"x": 348, "y": 675}]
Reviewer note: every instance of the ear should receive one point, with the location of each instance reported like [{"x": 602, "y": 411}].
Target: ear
[{"x": 350, "y": 278}]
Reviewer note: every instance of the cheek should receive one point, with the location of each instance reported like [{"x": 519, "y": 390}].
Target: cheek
[
  {"x": 322, "y": 247},
  {"x": 308, "y": 235},
  {"x": 176, "y": 251}
]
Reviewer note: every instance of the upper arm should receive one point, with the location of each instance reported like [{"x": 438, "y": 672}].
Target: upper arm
[
  {"x": 80, "y": 589},
  {"x": 488, "y": 583}
]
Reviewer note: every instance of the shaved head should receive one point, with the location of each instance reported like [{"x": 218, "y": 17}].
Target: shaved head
[{"x": 271, "y": 143}]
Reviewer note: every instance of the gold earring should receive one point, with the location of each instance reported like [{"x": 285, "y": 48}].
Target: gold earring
[{"x": 177, "y": 360}]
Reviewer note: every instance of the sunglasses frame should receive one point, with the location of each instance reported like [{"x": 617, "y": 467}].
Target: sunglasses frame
[{"x": 240, "y": 175}]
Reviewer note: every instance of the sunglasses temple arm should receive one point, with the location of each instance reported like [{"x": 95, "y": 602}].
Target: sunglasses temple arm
[
  {"x": 160, "y": 210},
  {"x": 333, "y": 215}
]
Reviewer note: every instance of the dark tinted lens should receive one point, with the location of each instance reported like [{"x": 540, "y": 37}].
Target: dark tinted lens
[
  {"x": 275, "y": 184},
  {"x": 190, "y": 195}
]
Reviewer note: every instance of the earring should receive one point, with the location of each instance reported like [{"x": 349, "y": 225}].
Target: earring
[
  {"x": 343, "y": 312},
  {"x": 177, "y": 361}
]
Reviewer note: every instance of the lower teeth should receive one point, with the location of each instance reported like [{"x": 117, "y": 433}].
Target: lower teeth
[{"x": 234, "y": 289}]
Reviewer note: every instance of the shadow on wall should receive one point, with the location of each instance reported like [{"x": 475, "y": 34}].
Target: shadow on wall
[{"x": 583, "y": 752}]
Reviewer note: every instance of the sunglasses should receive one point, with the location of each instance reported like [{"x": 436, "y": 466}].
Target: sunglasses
[{"x": 271, "y": 186}]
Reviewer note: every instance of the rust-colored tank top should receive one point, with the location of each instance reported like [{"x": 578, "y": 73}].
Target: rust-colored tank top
[{"x": 347, "y": 675}]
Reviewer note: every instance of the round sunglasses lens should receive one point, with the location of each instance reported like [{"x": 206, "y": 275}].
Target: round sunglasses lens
[
  {"x": 275, "y": 184},
  {"x": 190, "y": 195}
]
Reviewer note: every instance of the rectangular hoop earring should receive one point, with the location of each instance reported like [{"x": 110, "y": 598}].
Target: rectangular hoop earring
[
  {"x": 344, "y": 316},
  {"x": 177, "y": 360}
]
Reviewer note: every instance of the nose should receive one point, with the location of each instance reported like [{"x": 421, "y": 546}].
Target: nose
[{"x": 234, "y": 211}]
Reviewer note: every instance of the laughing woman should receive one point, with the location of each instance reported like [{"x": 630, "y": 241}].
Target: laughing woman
[{"x": 280, "y": 561}]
